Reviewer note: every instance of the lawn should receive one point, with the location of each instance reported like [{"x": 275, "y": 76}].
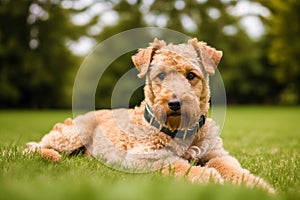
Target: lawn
[{"x": 266, "y": 140}]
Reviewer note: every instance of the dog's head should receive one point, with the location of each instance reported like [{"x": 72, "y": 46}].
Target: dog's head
[{"x": 177, "y": 80}]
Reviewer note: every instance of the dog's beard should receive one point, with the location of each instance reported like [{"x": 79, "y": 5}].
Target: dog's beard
[
  {"x": 177, "y": 122},
  {"x": 160, "y": 113},
  {"x": 186, "y": 118}
]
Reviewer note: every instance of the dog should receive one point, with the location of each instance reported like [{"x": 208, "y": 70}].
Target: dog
[{"x": 169, "y": 131}]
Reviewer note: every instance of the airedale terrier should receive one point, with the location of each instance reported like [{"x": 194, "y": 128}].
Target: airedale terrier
[{"x": 169, "y": 131}]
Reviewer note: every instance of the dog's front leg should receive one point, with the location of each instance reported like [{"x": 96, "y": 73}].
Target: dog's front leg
[
  {"x": 182, "y": 168},
  {"x": 231, "y": 170}
]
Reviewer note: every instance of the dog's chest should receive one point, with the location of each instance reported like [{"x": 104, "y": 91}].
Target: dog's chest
[{"x": 122, "y": 131}]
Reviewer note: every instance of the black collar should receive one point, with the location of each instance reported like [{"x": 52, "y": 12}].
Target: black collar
[{"x": 181, "y": 134}]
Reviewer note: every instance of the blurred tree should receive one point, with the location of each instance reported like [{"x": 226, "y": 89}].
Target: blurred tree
[
  {"x": 283, "y": 27},
  {"x": 129, "y": 17},
  {"x": 36, "y": 65}
]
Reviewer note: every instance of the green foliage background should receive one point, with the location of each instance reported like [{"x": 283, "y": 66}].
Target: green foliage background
[{"x": 37, "y": 67}]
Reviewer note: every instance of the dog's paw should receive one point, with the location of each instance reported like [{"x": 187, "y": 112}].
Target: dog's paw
[
  {"x": 204, "y": 175},
  {"x": 32, "y": 147},
  {"x": 50, "y": 154},
  {"x": 251, "y": 181}
]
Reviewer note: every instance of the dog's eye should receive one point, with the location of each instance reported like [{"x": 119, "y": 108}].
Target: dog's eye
[
  {"x": 161, "y": 76},
  {"x": 190, "y": 76}
]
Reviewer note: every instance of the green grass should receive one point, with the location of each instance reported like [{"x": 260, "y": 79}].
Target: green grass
[{"x": 266, "y": 140}]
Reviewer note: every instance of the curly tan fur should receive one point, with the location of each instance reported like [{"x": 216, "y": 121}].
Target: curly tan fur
[{"x": 123, "y": 136}]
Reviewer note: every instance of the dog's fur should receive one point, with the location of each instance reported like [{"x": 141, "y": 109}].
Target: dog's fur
[{"x": 122, "y": 138}]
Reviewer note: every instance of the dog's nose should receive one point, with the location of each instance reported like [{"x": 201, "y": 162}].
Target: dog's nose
[{"x": 175, "y": 104}]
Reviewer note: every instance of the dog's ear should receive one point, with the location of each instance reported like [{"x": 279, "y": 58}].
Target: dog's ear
[
  {"x": 143, "y": 58},
  {"x": 157, "y": 44},
  {"x": 209, "y": 56}
]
